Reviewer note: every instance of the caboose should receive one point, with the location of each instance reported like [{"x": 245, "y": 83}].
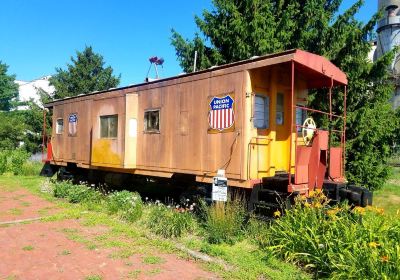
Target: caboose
[{"x": 249, "y": 118}]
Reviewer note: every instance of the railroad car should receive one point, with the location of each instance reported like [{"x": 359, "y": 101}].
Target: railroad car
[{"x": 249, "y": 119}]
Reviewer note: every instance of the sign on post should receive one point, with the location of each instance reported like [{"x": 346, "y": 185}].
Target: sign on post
[{"x": 219, "y": 189}]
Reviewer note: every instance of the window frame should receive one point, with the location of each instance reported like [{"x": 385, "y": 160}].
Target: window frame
[
  {"x": 58, "y": 132},
  {"x": 267, "y": 100},
  {"x": 108, "y": 126},
  {"x": 145, "y": 128}
]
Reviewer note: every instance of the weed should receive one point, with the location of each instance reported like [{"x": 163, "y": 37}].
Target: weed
[
  {"x": 168, "y": 222},
  {"x": 28, "y": 248},
  {"x": 127, "y": 205},
  {"x": 224, "y": 221},
  {"x": 65, "y": 253},
  {"x": 94, "y": 277},
  {"x": 153, "y": 260},
  {"x": 153, "y": 272},
  {"x": 134, "y": 274},
  {"x": 31, "y": 168},
  {"x": 15, "y": 211}
]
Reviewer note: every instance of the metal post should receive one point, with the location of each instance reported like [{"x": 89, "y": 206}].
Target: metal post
[
  {"x": 44, "y": 133},
  {"x": 291, "y": 127},
  {"x": 344, "y": 131},
  {"x": 195, "y": 61}
]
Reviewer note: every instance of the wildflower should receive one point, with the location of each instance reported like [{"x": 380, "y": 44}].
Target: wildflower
[
  {"x": 373, "y": 244},
  {"x": 307, "y": 205},
  {"x": 385, "y": 259},
  {"x": 277, "y": 214},
  {"x": 359, "y": 210},
  {"x": 332, "y": 212},
  {"x": 317, "y": 205},
  {"x": 311, "y": 194}
]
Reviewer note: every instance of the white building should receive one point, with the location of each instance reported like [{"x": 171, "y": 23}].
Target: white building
[{"x": 29, "y": 90}]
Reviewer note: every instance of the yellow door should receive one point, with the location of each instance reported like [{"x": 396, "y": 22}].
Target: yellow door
[{"x": 282, "y": 127}]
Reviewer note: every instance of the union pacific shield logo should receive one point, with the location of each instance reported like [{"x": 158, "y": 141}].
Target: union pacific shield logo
[{"x": 221, "y": 115}]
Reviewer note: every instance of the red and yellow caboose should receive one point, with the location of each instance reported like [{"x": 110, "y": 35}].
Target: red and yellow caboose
[{"x": 247, "y": 118}]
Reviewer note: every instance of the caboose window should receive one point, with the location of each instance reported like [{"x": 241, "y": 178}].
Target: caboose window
[
  {"x": 152, "y": 121},
  {"x": 261, "y": 112},
  {"x": 280, "y": 102},
  {"x": 109, "y": 126},
  {"x": 59, "y": 126}
]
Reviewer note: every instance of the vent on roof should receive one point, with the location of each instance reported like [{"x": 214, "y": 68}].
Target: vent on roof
[{"x": 154, "y": 61}]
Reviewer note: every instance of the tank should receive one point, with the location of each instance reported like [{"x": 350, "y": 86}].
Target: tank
[{"x": 388, "y": 30}]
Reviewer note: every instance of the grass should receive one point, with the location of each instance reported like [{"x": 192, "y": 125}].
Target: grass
[
  {"x": 65, "y": 253},
  {"x": 153, "y": 260},
  {"x": 388, "y": 197},
  {"x": 94, "y": 277},
  {"x": 28, "y": 248}
]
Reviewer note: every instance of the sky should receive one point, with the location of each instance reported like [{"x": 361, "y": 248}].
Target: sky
[{"x": 36, "y": 36}]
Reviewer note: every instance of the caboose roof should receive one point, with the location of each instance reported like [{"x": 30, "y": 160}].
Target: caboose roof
[{"x": 318, "y": 72}]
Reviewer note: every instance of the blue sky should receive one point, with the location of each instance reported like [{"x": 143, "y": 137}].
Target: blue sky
[{"x": 36, "y": 36}]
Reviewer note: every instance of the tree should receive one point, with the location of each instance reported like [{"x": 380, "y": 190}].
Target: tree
[
  {"x": 8, "y": 89},
  {"x": 236, "y": 30},
  {"x": 86, "y": 74}
]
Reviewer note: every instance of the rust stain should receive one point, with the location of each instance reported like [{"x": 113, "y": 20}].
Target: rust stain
[{"x": 103, "y": 153}]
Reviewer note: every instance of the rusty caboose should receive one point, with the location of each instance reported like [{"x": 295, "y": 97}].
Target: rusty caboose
[{"x": 248, "y": 118}]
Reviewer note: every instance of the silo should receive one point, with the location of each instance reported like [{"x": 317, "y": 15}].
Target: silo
[{"x": 388, "y": 32}]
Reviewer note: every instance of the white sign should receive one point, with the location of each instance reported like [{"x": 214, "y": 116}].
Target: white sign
[{"x": 219, "y": 189}]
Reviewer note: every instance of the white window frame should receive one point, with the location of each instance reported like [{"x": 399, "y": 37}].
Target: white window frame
[
  {"x": 265, "y": 112},
  {"x": 58, "y": 126}
]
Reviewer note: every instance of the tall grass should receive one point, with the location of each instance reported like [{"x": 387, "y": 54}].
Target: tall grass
[
  {"x": 339, "y": 242},
  {"x": 224, "y": 221},
  {"x": 127, "y": 205},
  {"x": 170, "y": 222}
]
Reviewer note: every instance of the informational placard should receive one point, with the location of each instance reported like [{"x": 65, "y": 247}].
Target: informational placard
[
  {"x": 219, "y": 189},
  {"x": 72, "y": 124}
]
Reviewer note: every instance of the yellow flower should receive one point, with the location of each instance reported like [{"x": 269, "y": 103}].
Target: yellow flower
[
  {"x": 373, "y": 244},
  {"x": 311, "y": 193},
  {"x": 359, "y": 210},
  {"x": 385, "y": 259},
  {"x": 317, "y": 205},
  {"x": 277, "y": 214},
  {"x": 332, "y": 212},
  {"x": 306, "y": 204}
]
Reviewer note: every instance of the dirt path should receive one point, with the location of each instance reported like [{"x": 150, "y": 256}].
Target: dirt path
[{"x": 69, "y": 249}]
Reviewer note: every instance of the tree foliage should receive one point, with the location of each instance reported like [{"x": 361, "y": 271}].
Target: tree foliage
[
  {"x": 85, "y": 74},
  {"x": 236, "y": 30},
  {"x": 8, "y": 88}
]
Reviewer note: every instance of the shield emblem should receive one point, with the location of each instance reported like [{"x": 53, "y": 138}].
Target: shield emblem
[
  {"x": 221, "y": 115},
  {"x": 72, "y": 123}
]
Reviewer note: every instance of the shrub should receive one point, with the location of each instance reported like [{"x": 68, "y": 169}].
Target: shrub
[
  {"x": 3, "y": 161},
  {"x": 61, "y": 188},
  {"x": 224, "y": 222},
  {"x": 127, "y": 205},
  {"x": 337, "y": 242},
  {"x": 77, "y": 193},
  {"x": 170, "y": 222},
  {"x": 31, "y": 168},
  {"x": 17, "y": 158}
]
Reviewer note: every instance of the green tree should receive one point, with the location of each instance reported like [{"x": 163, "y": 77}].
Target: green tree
[
  {"x": 236, "y": 30},
  {"x": 12, "y": 130},
  {"x": 86, "y": 74},
  {"x": 8, "y": 89}
]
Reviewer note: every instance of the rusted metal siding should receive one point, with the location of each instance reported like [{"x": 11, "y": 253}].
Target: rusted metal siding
[
  {"x": 75, "y": 148},
  {"x": 183, "y": 144}
]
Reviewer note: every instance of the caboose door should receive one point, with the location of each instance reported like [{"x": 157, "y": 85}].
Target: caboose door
[{"x": 281, "y": 119}]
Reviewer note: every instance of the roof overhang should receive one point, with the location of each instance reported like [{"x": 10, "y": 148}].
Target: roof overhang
[{"x": 318, "y": 71}]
